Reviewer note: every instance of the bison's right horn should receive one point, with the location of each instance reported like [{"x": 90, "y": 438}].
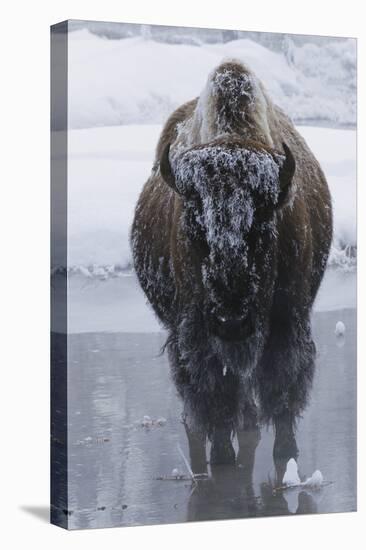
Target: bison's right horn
[{"x": 166, "y": 169}]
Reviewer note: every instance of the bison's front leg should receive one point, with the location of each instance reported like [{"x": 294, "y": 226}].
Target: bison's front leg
[
  {"x": 284, "y": 380},
  {"x": 285, "y": 446},
  {"x": 222, "y": 450},
  {"x": 249, "y": 435},
  {"x": 246, "y": 427},
  {"x": 197, "y": 439},
  {"x": 196, "y": 430},
  {"x": 209, "y": 396}
]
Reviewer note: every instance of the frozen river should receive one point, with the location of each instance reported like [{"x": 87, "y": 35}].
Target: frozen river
[{"x": 116, "y": 378}]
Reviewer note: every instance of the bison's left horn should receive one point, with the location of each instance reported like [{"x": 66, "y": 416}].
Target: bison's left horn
[
  {"x": 166, "y": 169},
  {"x": 286, "y": 174}
]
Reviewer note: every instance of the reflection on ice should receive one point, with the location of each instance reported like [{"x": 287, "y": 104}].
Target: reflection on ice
[{"x": 116, "y": 468}]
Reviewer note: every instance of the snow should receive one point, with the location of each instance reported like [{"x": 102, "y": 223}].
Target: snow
[
  {"x": 336, "y": 152},
  {"x": 291, "y": 476},
  {"x": 148, "y": 422},
  {"x": 106, "y": 171},
  {"x": 340, "y": 328},
  {"x": 205, "y": 169},
  {"x": 108, "y": 166},
  {"x": 292, "y": 479},
  {"x": 315, "y": 481},
  {"x": 139, "y": 80},
  {"x": 161, "y": 421}
]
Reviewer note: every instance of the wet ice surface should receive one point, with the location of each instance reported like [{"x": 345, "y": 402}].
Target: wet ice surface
[
  {"x": 119, "y": 305},
  {"x": 115, "y": 379}
]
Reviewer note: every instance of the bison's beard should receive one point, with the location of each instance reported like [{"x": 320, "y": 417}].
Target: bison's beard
[
  {"x": 198, "y": 347},
  {"x": 240, "y": 357},
  {"x": 211, "y": 373}
]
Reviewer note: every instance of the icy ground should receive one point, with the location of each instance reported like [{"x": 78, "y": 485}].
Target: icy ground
[
  {"x": 108, "y": 167},
  {"x": 124, "y": 438},
  {"x": 144, "y": 80}
]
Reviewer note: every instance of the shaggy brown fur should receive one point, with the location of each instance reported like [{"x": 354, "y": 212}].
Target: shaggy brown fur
[{"x": 234, "y": 111}]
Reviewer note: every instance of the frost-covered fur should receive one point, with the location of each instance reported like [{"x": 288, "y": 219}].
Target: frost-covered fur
[
  {"x": 232, "y": 101},
  {"x": 230, "y": 249}
]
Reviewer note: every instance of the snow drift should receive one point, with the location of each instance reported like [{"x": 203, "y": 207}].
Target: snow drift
[{"x": 139, "y": 81}]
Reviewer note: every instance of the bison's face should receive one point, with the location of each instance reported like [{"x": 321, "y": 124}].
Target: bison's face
[{"x": 232, "y": 192}]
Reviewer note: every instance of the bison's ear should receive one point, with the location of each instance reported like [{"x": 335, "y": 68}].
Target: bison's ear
[
  {"x": 166, "y": 169},
  {"x": 286, "y": 174}
]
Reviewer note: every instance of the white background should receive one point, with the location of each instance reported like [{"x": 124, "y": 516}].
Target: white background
[{"x": 24, "y": 272}]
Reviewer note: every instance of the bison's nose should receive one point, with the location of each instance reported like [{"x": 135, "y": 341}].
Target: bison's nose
[
  {"x": 231, "y": 328},
  {"x": 230, "y": 323}
]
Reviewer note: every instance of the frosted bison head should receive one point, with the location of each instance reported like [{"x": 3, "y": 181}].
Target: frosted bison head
[{"x": 232, "y": 191}]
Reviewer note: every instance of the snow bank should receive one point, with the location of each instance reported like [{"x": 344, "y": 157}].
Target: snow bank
[
  {"x": 108, "y": 167},
  {"x": 106, "y": 170},
  {"x": 138, "y": 80},
  {"x": 336, "y": 152}
]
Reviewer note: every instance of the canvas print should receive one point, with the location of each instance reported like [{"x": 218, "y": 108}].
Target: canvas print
[{"x": 203, "y": 277}]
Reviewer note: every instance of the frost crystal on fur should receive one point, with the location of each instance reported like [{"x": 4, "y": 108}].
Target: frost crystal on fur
[
  {"x": 226, "y": 181},
  {"x": 233, "y": 100}
]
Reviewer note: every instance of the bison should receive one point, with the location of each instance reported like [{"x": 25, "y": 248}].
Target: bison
[{"x": 230, "y": 241}]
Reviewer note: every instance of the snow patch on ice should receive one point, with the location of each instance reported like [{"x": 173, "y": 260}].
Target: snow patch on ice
[
  {"x": 340, "y": 328},
  {"x": 315, "y": 481},
  {"x": 148, "y": 422},
  {"x": 291, "y": 477}
]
